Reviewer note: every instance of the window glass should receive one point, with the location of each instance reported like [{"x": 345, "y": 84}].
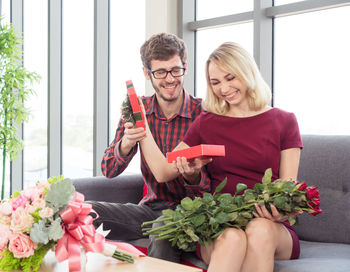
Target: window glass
[
  {"x": 283, "y": 2},
  {"x": 5, "y": 12},
  {"x": 77, "y": 86},
  {"x": 209, "y": 40},
  {"x": 125, "y": 60},
  {"x": 206, "y": 9},
  {"x": 312, "y": 69},
  {"x": 35, "y": 60}
]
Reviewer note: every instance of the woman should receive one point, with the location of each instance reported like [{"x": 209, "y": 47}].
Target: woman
[{"x": 256, "y": 137}]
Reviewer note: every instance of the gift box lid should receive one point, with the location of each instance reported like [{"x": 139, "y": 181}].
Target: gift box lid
[
  {"x": 136, "y": 108},
  {"x": 203, "y": 150}
]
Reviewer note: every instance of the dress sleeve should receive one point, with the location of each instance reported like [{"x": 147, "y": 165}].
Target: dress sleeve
[
  {"x": 291, "y": 137},
  {"x": 192, "y": 136}
]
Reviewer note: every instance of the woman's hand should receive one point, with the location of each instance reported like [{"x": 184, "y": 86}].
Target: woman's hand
[
  {"x": 262, "y": 212},
  {"x": 190, "y": 169}
]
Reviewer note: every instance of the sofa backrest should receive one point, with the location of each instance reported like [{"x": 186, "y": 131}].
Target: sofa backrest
[
  {"x": 325, "y": 162},
  {"x": 121, "y": 189}
]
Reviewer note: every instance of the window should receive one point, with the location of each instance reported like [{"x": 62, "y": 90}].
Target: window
[
  {"x": 309, "y": 53},
  {"x": 5, "y": 12},
  {"x": 35, "y": 60},
  {"x": 125, "y": 60},
  {"x": 206, "y": 9},
  {"x": 208, "y": 40},
  {"x": 311, "y": 69},
  {"x": 77, "y": 87}
]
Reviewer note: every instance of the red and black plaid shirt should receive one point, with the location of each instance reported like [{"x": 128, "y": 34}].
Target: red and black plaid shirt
[{"x": 167, "y": 134}]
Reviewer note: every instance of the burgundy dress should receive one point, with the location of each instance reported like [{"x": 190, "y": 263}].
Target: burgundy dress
[{"x": 252, "y": 144}]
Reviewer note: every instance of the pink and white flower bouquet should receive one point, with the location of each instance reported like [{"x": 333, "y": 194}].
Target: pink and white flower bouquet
[{"x": 49, "y": 214}]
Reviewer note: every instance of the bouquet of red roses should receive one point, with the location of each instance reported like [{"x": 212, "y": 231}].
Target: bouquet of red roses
[
  {"x": 46, "y": 215},
  {"x": 205, "y": 218}
]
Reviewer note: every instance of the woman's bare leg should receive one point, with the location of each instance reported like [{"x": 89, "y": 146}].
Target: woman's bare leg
[
  {"x": 266, "y": 241},
  {"x": 227, "y": 251}
]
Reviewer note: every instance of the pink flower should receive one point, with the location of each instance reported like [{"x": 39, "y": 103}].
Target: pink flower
[
  {"x": 39, "y": 203},
  {"x": 21, "y": 220},
  {"x": 19, "y": 201},
  {"x": 5, "y": 236},
  {"x": 5, "y": 219},
  {"x": 5, "y": 208},
  {"x": 46, "y": 212},
  {"x": 32, "y": 193},
  {"x": 21, "y": 246}
]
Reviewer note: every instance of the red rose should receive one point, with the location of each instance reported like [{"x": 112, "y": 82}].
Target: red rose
[
  {"x": 302, "y": 186},
  {"x": 313, "y": 204},
  {"x": 312, "y": 192},
  {"x": 316, "y": 211}
]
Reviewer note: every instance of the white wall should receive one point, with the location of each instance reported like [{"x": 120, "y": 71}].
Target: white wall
[{"x": 161, "y": 16}]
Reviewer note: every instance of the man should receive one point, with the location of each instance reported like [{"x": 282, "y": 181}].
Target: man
[{"x": 169, "y": 112}]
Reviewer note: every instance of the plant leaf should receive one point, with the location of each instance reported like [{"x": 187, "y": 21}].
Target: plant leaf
[
  {"x": 221, "y": 186},
  {"x": 240, "y": 187},
  {"x": 267, "y": 176}
]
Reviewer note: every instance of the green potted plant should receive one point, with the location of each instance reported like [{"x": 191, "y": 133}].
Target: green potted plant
[{"x": 14, "y": 91}]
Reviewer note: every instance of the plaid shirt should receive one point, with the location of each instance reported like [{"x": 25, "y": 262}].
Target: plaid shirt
[{"x": 167, "y": 134}]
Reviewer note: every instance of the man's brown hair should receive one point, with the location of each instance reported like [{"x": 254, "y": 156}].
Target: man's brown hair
[{"x": 162, "y": 46}]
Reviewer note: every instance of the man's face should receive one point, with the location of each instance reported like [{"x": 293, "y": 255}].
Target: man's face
[{"x": 169, "y": 88}]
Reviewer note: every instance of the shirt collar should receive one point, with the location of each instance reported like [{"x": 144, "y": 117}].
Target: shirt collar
[{"x": 184, "y": 109}]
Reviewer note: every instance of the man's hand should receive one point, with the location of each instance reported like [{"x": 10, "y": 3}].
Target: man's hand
[
  {"x": 131, "y": 136},
  {"x": 191, "y": 169}
]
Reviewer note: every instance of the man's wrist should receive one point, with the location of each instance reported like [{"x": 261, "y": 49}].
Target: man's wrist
[
  {"x": 124, "y": 152},
  {"x": 192, "y": 180}
]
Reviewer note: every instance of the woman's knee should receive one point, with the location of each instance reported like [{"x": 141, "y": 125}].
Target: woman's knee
[
  {"x": 232, "y": 237},
  {"x": 261, "y": 231},
  {"x": 231, "y": 240}
]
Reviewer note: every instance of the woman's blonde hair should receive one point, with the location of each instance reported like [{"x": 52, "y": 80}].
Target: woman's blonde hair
[{"x": 233, "y": 59}]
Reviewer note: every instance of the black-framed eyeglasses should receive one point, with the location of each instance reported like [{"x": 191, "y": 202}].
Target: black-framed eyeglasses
[{"x": 162, "y": 73}]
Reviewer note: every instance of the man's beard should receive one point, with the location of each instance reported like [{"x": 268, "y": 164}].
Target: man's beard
[{"x": 162, "y": 96}]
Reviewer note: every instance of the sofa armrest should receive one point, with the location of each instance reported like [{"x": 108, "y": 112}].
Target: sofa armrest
[{"x": 120, "y": 189}]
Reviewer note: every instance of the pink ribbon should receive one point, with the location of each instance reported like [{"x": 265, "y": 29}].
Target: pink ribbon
[{"x": 78, "y": 230}]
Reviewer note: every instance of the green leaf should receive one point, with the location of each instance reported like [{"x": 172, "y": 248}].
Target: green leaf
[
  {"x": 187, "y": 203},
  {"x": 190, "y": 232},
  {"x": 225, "y": 199},
  {"x": 288, "y": 186},
  {"x": 233, "y": 216},
  {"x": 240, "y": 187},
  {"x": 279, "y": 202},
  {"x": 215, "y": 235},
  {"x": 39, "y": 233},
  {"x": 207, "y": 197},
  {"x": 221, "y": 186},
  {"x": 198, "y": 219},
  {"x": 59, "y": 194},
  {"x": 55, "y": 230},
  {"x": 222, "y": 217},
  {"x": 168, "y": 213},
  {"x": 267, "y": 176}
]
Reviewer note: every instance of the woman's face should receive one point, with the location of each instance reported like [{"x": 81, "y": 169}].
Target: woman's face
[{"x": 227, "y": 86}]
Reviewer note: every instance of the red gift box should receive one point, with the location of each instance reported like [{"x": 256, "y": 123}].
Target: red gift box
[
  {"x": 203, "y": 150},
  {"x": 136, "y": 108}
]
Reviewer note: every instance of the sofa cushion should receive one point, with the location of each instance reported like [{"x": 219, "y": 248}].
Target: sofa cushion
[
  {"x": 320, "y": 257},
  {"x": 324, "y": 162}
]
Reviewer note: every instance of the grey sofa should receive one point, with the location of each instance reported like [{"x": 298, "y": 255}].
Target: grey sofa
[{"x": 325, "y": 238}]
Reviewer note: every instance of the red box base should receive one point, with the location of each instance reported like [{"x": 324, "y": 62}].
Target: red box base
[{"x": 197, "y": 151}]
